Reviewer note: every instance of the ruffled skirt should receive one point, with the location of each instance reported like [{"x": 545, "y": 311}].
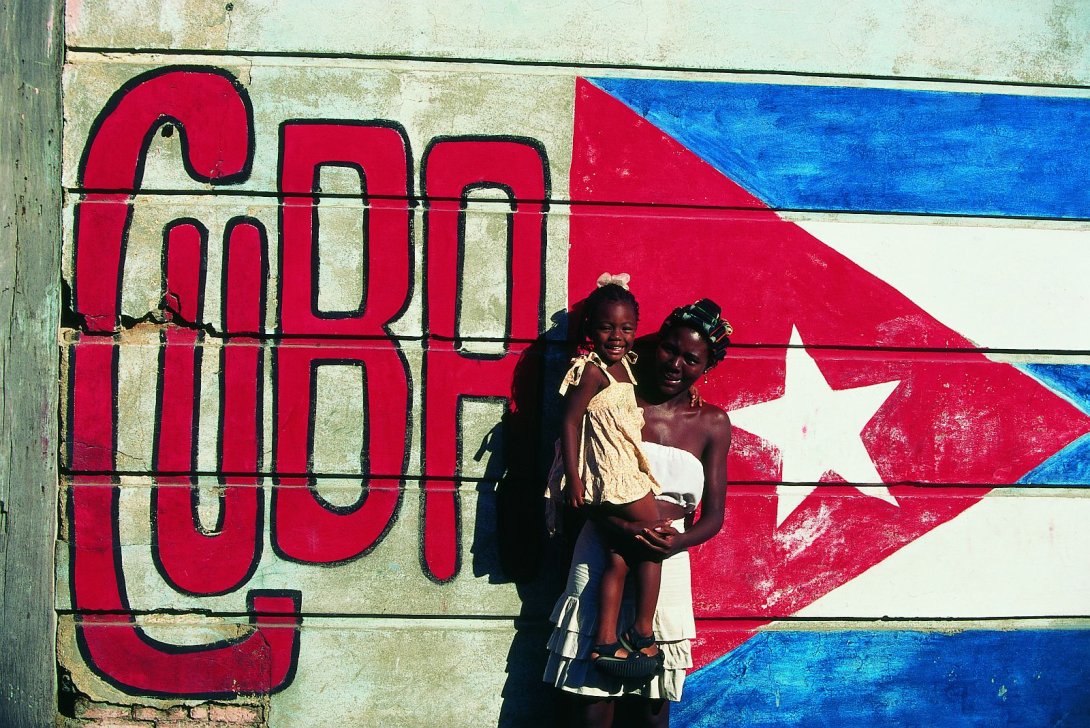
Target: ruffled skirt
[{"x": 575, "y": 615}]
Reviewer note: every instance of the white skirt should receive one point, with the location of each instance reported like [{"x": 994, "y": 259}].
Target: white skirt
[{"x": 576, "y": 616}]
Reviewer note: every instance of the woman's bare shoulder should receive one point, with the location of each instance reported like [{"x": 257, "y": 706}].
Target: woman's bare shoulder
[{"x": 714, "y": 420}]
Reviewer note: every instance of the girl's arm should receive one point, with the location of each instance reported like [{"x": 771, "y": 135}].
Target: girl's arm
[{"x": 575, "y": 407}]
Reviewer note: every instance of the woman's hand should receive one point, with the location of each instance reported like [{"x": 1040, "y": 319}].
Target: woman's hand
[
  {"x": 663, "y": 540},
  {"x": 629, "y": 532},
  {"x": 634, "y": 529}
]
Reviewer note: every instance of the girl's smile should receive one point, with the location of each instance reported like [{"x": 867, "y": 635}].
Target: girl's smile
[{"x": 612, "y": 330}]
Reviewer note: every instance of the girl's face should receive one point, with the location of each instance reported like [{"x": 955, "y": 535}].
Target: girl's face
[
  {"x": 681, "y": 356},
  {"x": 611, "y": 330}
]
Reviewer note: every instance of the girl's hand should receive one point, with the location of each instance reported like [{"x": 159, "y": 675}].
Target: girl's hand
[{"x": 576, "y": 495}]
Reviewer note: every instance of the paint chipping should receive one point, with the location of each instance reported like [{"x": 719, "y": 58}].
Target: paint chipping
[{"x": 795, "y": 541}]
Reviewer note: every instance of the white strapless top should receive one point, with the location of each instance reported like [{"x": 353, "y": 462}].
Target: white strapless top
[{"x": 680, "y": 473}]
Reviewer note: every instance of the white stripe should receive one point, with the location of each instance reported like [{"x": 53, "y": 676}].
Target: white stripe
[
  {"x": 1001, "y": 287},
  {"x": 1006, "y": 556}
]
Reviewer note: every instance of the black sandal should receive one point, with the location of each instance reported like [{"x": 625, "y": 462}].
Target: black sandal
[
  {"x": 634, "y": 666},
  {"x": 636, "y": 643}
]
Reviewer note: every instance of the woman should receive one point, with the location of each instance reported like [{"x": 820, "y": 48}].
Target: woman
[{"x": 686, "y": 445}]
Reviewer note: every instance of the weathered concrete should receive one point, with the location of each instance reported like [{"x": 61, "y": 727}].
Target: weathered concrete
[{"x": 1035, "y": 42}]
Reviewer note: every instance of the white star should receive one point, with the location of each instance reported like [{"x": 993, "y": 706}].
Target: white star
[{"x": 816, "y": 429}]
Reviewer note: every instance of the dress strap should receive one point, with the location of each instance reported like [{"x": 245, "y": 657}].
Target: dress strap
[
  {"x": 578, "y": 364},
  {"x": 630, "y": 357}
]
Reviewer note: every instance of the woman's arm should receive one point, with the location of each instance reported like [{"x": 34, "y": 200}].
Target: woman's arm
[
  {"x": 571, "y": 429},
  {"x": 713, "y": 504},
  {"x": 666, "y": 541},
  {"x": 635, "y": 530}
]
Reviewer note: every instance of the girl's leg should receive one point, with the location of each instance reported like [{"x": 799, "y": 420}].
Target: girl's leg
[
  {"x": 610, "y": 591},
  {"x": 650, "y": 576},
  {"x": 648, "y": 572}
]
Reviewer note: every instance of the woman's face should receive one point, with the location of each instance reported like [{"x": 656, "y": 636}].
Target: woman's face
[{"x": 681, "y": 356}]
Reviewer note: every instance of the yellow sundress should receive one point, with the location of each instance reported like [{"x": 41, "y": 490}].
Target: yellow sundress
[{"x": 613, "y": 468}]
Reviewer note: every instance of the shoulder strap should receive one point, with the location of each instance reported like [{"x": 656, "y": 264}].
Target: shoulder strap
[
  {"x": 629, "y": 357},
  {"x": 578, "y": 364}
]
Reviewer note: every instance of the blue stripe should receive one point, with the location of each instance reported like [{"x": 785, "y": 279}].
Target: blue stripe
[
  {"x": 1070, "y": 466},
  {"x": 839, "y": 148},
  {"x": 1070, "y": 380},
  {"x": 895, "y": 678}
]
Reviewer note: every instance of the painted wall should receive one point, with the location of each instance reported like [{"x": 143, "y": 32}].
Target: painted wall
[{"x": 316, "y": 264}]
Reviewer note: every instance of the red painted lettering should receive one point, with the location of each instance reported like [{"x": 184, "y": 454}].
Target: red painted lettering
[
  {"x": 212, "y": 112},
  {"x": 453, "y": 167}
]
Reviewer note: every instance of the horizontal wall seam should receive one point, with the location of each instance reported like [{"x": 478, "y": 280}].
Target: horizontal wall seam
[
  {"x": 544, "y": 617},
  {"x": 586, "y": 65},
  {"x": 563, "y": 344},
  {"x": 418, "y": 477},
  {"x": 545, "y": 340},
  {"x": 545, "y": 203}
]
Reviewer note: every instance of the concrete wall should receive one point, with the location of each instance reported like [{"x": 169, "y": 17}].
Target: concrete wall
[{"x": 316, "y": 261}]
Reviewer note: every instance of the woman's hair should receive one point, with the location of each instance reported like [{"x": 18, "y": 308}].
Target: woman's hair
[
  {"x": 704, "y": 317},
  {"x": 608, "y": 293}
]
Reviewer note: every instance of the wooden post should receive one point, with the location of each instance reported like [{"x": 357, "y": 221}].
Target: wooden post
[{"x": 31, "y": 39}]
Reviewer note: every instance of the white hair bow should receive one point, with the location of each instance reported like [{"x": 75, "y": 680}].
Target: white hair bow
[{"x": 620, "y": 279}]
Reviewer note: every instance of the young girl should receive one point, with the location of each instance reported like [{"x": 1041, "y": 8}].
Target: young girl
[{"x": 604, "y": 467}]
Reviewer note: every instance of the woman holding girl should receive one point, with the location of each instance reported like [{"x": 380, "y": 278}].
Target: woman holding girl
[{"x": 685, "y": 448}]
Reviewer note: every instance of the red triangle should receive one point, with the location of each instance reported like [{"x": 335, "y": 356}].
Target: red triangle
[{"x": 621, "y": 157}]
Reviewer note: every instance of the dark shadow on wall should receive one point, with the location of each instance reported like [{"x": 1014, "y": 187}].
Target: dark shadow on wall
[{"x": 510, "y": 543}]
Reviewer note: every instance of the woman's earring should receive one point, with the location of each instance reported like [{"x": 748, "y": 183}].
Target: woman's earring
[
  {"x": 694, "y": 397},
  {"x": 705, "y": 377}
]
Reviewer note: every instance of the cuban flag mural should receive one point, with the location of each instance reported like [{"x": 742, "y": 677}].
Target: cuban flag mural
[{"x": 906, "y": 450}]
